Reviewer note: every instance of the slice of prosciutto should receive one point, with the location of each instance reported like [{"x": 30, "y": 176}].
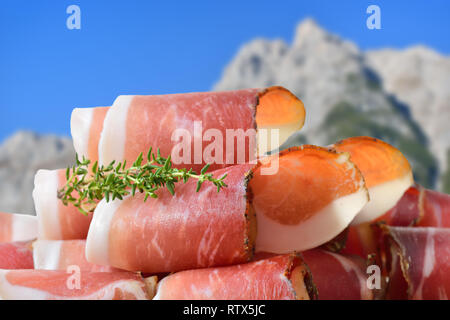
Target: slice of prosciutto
[
  {"x": 418, "y": 207},
  {"x": 407, "y": 211},
  {"x": 86, "y": 127},
  {"x": 337, "y": 276},
  {"x": 16, "y": 255},
  {"x": 196, "y": 128},
  {"x": 300, "y": 199},
  {"x": 17, "y": 227},
  {"x": 362, "y": 240},
  {"x": 422, "y": 255},
  {"x": 313, "y": 196},
  {"x": 386, "y": 171},
  {"x": 283, "y": 277},
  {"x": 60, "y": 285},
  {"x": 436, "y": 210},
  {"x": 63, "y": 254},
  {"x": 55, "y": 220},
  {"x": 189, "y": 230}
]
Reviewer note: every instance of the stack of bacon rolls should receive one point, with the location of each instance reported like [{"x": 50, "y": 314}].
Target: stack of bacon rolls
[{"x": 308, "y": 230}]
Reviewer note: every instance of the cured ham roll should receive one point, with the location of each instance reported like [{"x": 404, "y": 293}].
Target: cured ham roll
[
  {"x": 55, "y": 220},
  {"x": 311, "y": 198},
  {"x": 386, "y": 171},
  {"x": 418, "y": 207},
  {"x": 314, "y": 196},
  {"x": 436, "y": 209},
  {"x": 185, "y": 231},
  {"x": 16, "y": 255},
  {"x": 278, "y": 278},
  {"x": 60, "y": 285},
  {"x": 194, "y": 127},
  {"x": 335, "y": 276},
  {"x": 63, "y": 254},
  {"x": 338, "y": 277},
  {"x": 17, "y": 227},
  {"x": 408, "y": 209},
  {"x": 86, "y": 127},
  {"x": 419, "y": 263}
]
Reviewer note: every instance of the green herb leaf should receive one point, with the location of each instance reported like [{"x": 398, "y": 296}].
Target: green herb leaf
[{"x": 86, "y": 186}]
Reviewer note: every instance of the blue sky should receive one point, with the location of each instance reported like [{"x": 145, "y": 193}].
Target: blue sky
[{"x": 150, "y": 47}]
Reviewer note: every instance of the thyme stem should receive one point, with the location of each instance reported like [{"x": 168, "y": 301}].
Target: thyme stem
[{"x": 86, "y": 185}]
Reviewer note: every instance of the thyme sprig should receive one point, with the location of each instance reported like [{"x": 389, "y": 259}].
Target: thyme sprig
[{"x": 86, "y": 186}]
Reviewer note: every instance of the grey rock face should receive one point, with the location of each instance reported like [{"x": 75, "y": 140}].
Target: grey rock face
[
  {"x": 257, "y": 63},
  {"x": 420, "y": 78},
  {"x": 20, "y": 157},
  {"x": 342, "y": 89}
]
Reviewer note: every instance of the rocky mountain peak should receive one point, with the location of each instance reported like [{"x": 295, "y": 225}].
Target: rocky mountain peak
[
  {"x": 310, "y": 35},
  {"x": 343, "y": 90},
  {"x": 420, "y": 78},
  {"x": 308, "y": 30}
]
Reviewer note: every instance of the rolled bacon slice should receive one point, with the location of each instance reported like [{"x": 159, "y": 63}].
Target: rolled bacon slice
[
  {"x": 135, "y": 123},
  {"x": 16, "y": 255},
  {"x": 386, "y": 171},
  {"x": 63, "y": 254},
  {"x": 338, "y": 277},
  {"x": 86, "y": 127},
  {"x": 55, "y": 220},
  {"x": 311, "y": 196},
  {"x": 283, "y": 277},
  {"x": 422, "y": 254},
  {"x": 60, "y": 285},
  {"x": 17, "y": 227}
]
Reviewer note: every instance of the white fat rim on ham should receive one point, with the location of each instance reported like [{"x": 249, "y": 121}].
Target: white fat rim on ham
[
  {"x": 383, "y": 197},
  {"x": 112, "y": 139},
  {"x": 80, "y": 127},
  {"x": 429, "y": 263},
  {"x": 24, "y": 227},
  {"x": 46, "y": 204},
  {"x": 108, "y": 292},
  {"x": 159, "y": 289},
  {"x": 323, "y": 226},
  {"x": 46, "y": 254},
  {"x": 97, "y": 242},
  {"x": 16, "y": 292},
  {"x": 202, "y": 291}
]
